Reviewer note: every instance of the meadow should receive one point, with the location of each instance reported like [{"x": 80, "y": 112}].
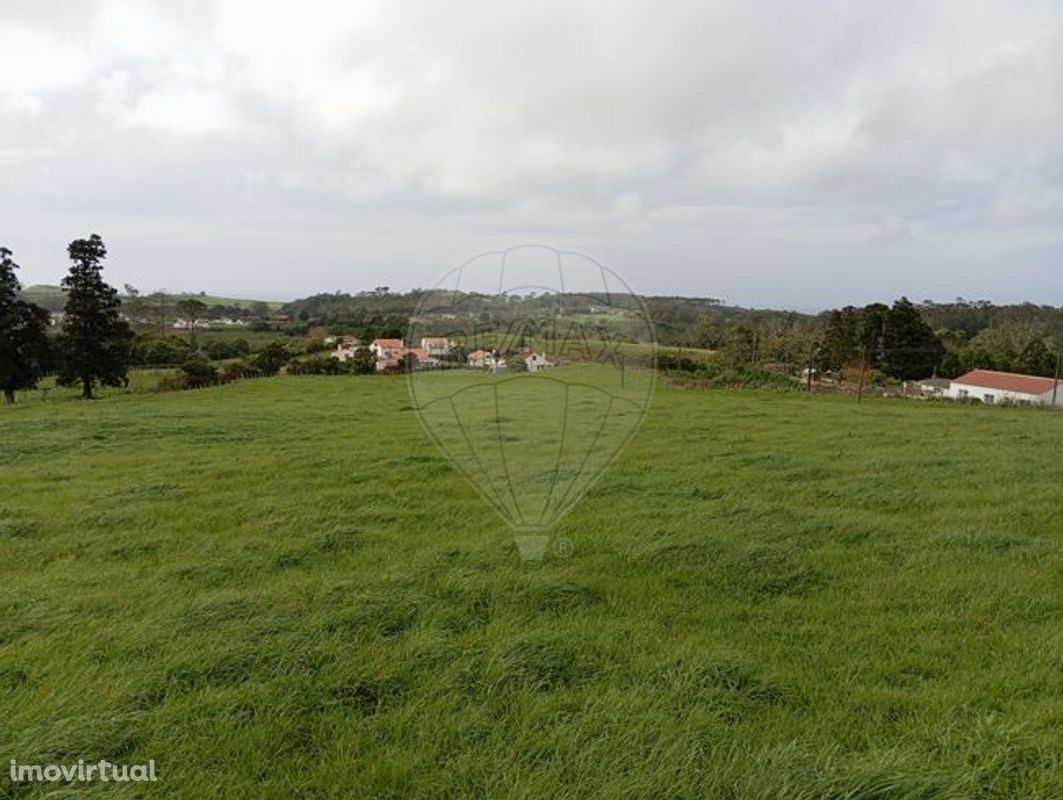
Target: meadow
[{"x": 281, "y": 589}]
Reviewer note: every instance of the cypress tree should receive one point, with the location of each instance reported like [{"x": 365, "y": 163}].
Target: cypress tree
[
  {"x": 24, "y": 346},
  {"x": 96, "y": 342},
  {"x": 912, "y": 349}
]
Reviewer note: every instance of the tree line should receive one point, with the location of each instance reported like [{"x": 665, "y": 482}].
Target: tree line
[{"x": 93, "y": 346}]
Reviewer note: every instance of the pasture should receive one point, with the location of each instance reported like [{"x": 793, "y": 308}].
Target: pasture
[{"x": 281, "y": 589}]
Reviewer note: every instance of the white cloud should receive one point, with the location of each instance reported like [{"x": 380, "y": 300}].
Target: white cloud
[
  {"x": 842, "y": 126},
  {"x": 35, "y": 61}
]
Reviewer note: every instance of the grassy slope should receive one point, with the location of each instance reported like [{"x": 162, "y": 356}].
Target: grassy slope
[{"x": 280, "y": 585}]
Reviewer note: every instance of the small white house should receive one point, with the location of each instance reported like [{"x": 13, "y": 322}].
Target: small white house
[
  {"x": 435, "y": 346},
  {"x": 989, "y": 386},
  {"x": 536, "y": 362},
  {"x": 345, "y": 347}
]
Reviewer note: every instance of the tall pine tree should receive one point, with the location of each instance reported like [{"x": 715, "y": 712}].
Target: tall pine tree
[
  {"x": 24, "y": 346},
  {"x": 912, "y": 349},
  {"x": 95, "y": 345}
]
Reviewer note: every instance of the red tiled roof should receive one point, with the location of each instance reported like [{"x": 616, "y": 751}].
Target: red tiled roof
[
  {"x": 1007, "y": 381},
  {"x": 388, "y": 343}
]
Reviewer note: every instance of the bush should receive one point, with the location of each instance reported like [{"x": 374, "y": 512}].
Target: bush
[
  {"x": 271, "y": 358},
  {"x": 151, "y": 350},
  {"x": 235, "y": 370},
  {"x": 197, "y": 372},
  {"x": 316, "y": 365},
  {"x": 363, "y": 362}
]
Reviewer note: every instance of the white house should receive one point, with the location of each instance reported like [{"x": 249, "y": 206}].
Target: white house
[
  {"x": 536, "y": 362},
  {"x": 989, "y": 386},
  {"x": 435, "y": 346},
  {"x": 345, "y": 347},
  {"x": 478, "y": 358}
]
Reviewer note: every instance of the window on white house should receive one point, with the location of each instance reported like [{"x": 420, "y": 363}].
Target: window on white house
[
  {"x": 963, "y": 394},
  {"x": 988, "y": 398}
]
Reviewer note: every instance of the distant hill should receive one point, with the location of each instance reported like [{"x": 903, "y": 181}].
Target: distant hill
[{"x": 53, "y": 298}]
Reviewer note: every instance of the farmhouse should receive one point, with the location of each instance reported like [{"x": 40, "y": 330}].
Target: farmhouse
[
  {"x": 536, "y": 362},
  {"x": 387, "y": 349},
  {"x": 419, "y": 354},
  {"x": 989, "y": 386},
  {"x": 345, "y": 347},
  {"x": 435, "y": 346}
]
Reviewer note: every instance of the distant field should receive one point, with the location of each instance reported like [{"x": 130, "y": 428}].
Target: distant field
[
  {"x": 213, "y": 300},
  {"x": 280, "y": 585},
  {"x": 54, "y": 297}
]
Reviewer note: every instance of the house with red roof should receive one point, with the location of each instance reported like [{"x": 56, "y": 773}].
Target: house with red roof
[
  {"x": 387, "y": 349},
  {"x": 990, "y": 386}
]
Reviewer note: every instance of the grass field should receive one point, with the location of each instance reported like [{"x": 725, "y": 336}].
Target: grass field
[{"x": 281, "y": 589}]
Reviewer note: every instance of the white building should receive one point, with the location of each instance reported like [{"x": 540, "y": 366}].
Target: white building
[
  {"x": 988, "y": 386},
  {"x": 435, "y": 346},
  {"x": 536, "y": 362},
  {"x": 345, "y": 347}
]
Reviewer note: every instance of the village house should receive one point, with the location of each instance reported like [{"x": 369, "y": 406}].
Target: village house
[
  {"x": 930, "y": 388},
  {"x": 536, "y": 362},
  {"x": 478, "y": 358},
  {"x": 436, "y": 346},
  {"x": 387, "y": 349},
  {"x": 989, "y": 386},
  {"x": 345, "y": 347},
  {"x": 420, "y": 355}
]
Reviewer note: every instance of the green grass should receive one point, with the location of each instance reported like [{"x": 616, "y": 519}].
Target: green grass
[
  {"x": 48, "y": 393},
  {"x": 281, "y": 589}
]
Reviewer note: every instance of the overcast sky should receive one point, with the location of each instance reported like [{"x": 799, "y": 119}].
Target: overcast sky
[{"x": 789, "y": 154}]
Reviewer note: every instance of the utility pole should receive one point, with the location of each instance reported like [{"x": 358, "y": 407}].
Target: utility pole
[
  {"x": 811, "y": 353},
  {"x": 1055, "y": 385},
  {"x": 863, "y": 369}
]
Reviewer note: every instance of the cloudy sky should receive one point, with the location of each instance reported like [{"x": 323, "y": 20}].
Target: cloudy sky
[{"x": 796, "y": 153}]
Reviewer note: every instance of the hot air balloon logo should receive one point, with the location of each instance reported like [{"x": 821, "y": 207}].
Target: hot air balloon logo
[{"x": 544, "y": 373}]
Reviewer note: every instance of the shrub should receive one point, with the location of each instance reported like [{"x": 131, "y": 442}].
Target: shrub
[
  {"x": 197, "y": 372},
  {"x": 316, "y": 365},
  {"x": 271, "y": 358}
]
